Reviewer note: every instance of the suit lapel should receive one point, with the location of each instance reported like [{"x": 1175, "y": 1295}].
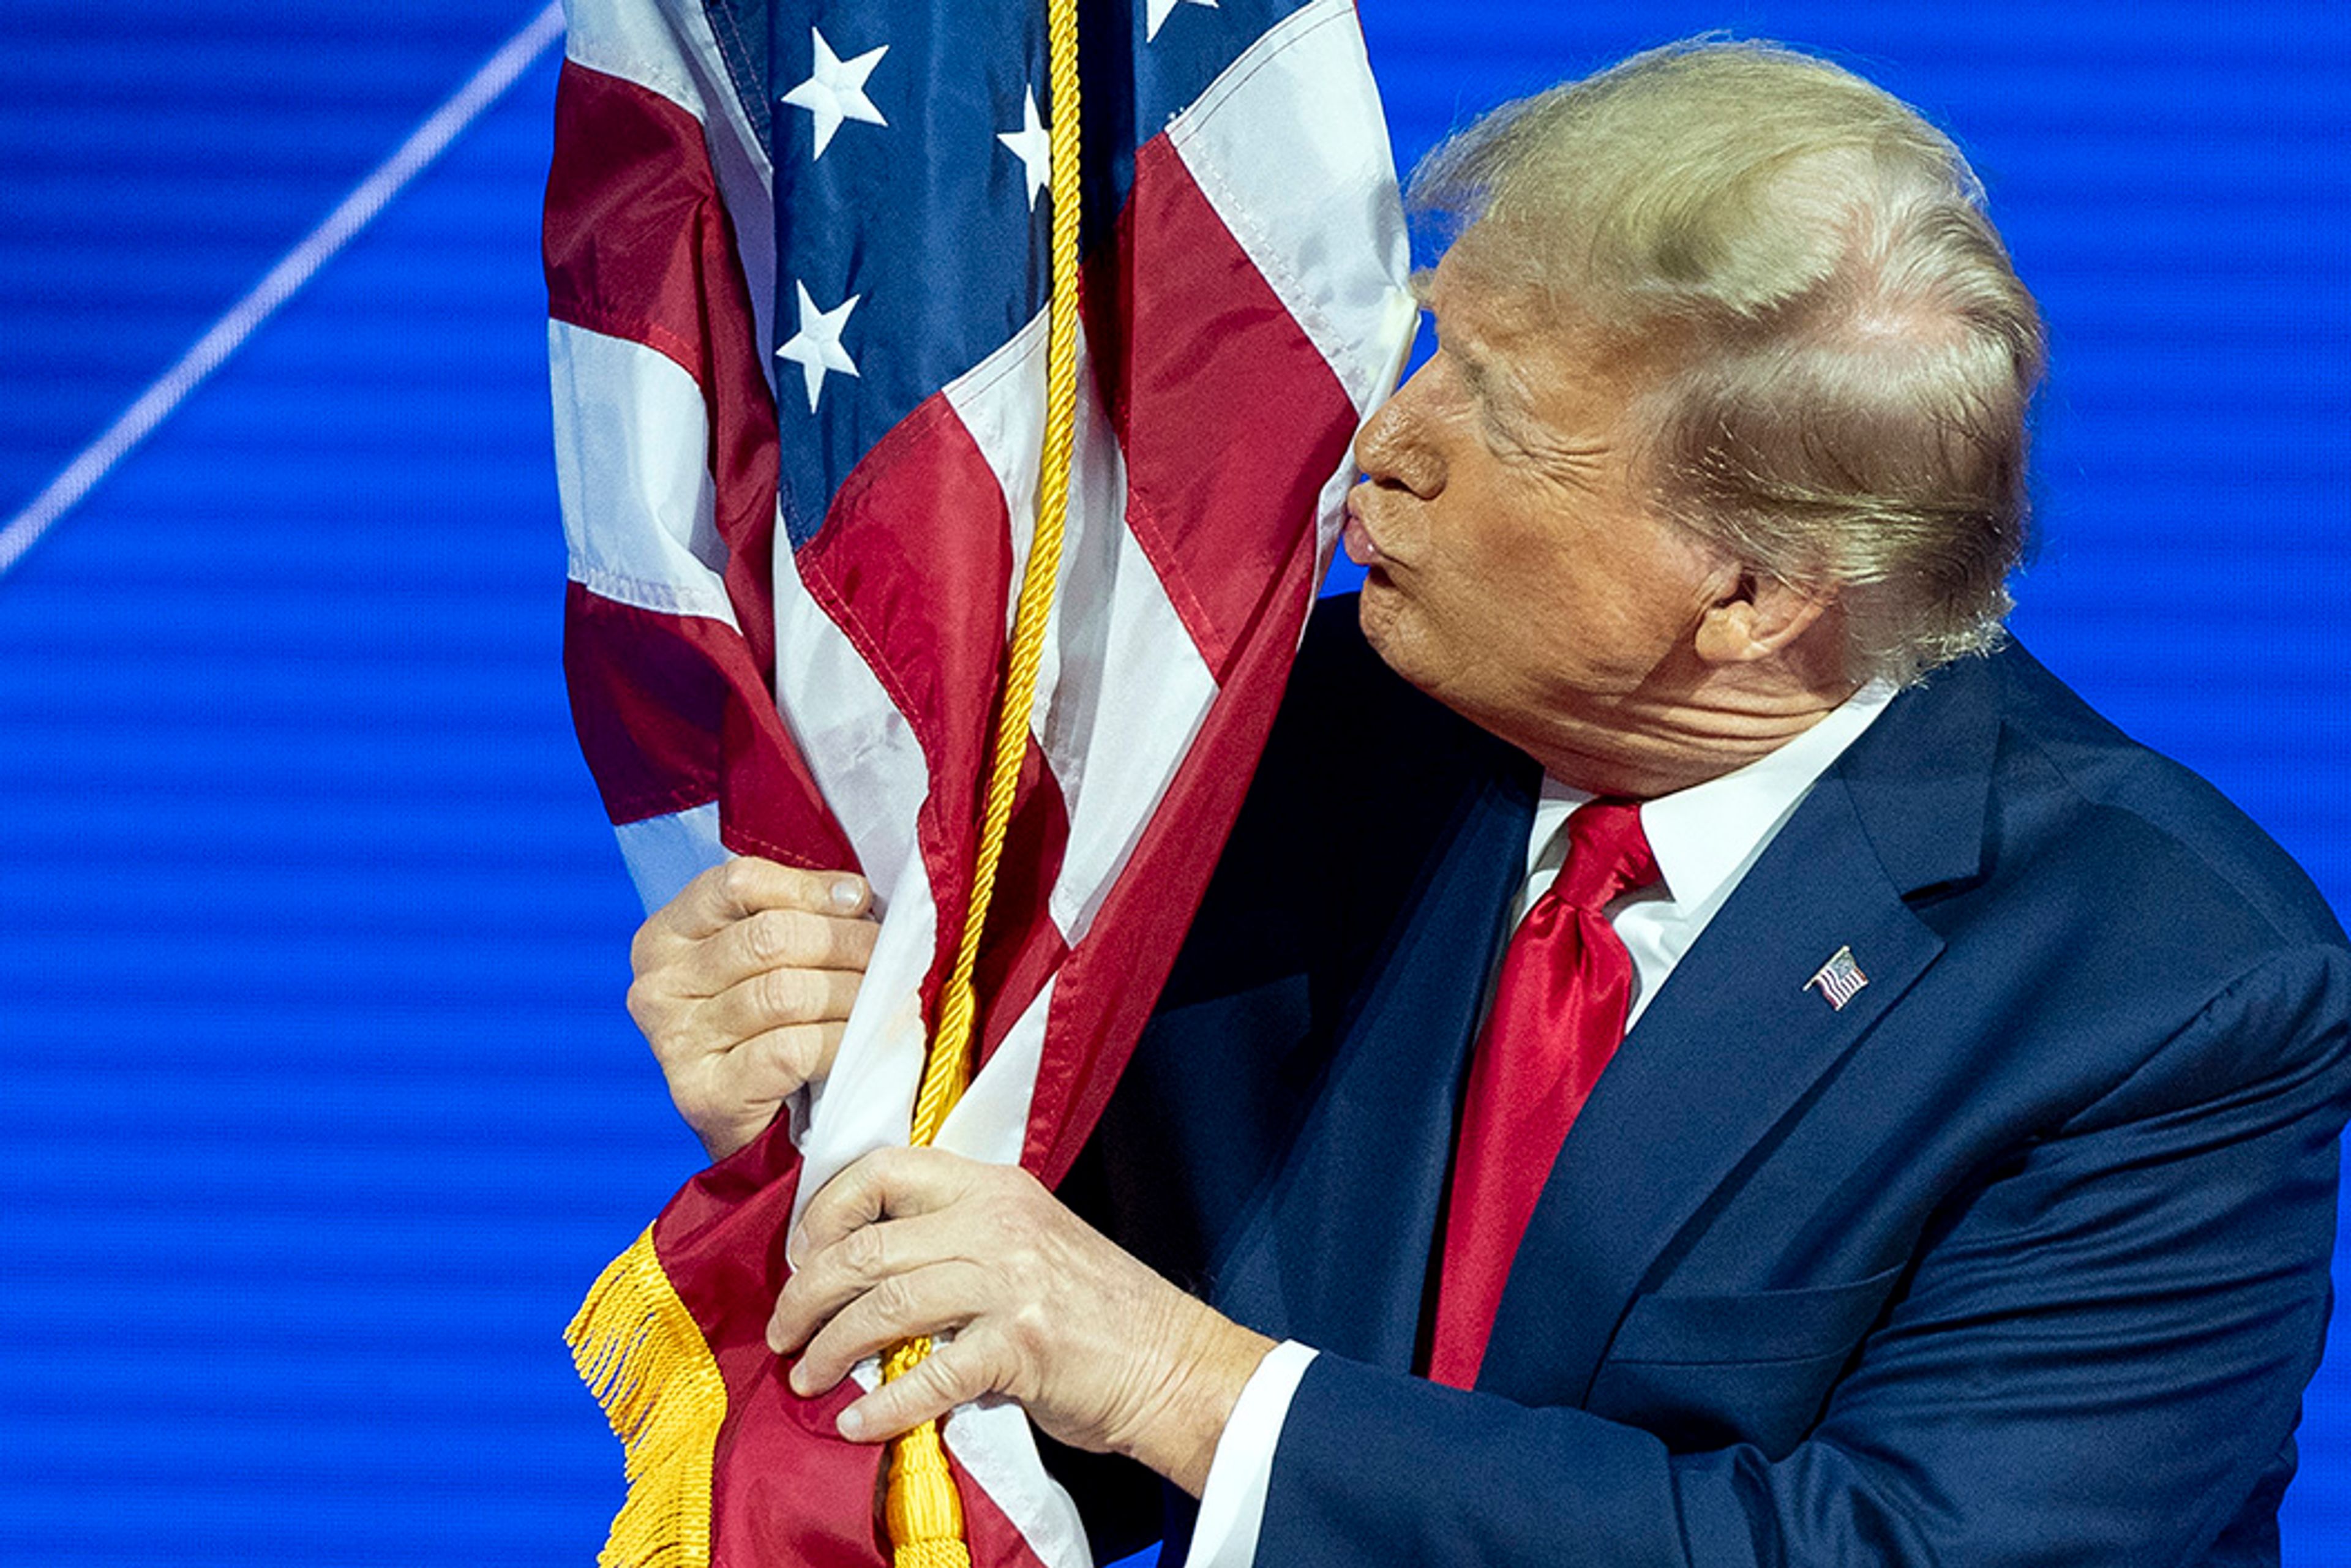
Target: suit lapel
[{"x": 1735, "y": 1041}]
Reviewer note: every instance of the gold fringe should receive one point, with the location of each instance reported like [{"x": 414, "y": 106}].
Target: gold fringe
[{"x": 642, "y": 1354}]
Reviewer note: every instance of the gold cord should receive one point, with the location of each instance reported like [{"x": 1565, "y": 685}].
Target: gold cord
[{"x": 923, "y": 1514}]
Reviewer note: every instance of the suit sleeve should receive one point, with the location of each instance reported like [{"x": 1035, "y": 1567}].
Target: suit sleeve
[{"x": 2096, "y": 1357}]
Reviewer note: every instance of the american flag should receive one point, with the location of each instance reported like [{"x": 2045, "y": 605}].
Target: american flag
[
  {"x": 1839, "y": 980},
  {"x": 798, "y": 265}
]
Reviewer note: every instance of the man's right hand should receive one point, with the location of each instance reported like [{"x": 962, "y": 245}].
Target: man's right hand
[{"x": 743, "y": 985}]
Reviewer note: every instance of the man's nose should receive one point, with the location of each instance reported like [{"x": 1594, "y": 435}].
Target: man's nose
[{"x": 1392, "y": 449}]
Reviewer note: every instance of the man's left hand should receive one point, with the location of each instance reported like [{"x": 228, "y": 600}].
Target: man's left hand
[{"x": 1102, "y": 1352}]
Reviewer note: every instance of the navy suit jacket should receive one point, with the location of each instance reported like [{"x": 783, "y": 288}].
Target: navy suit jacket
[{"x": 2019, "y": 1257}]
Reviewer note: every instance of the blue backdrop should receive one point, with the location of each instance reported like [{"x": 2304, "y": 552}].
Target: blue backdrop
[{"x": 320, "y": 1106}]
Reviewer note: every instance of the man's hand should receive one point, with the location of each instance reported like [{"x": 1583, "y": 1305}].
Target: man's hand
[
  {"x": 1104, "y": 1354},
  {"x": 743, "y": 985}
]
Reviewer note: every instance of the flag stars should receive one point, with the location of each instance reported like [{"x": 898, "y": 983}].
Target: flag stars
[
  {"x": 1156, "y": 12},
  {"x": 816, "y": 347},
  {"x": 1033, "y": 145},
  {"x": 835, "y": 90}
]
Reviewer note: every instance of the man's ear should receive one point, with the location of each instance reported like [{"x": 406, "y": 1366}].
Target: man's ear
[{"x": 1757, "y": 618}]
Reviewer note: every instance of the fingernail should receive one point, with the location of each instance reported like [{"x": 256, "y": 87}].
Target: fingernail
[
  {"x": 851, "y": 1424},
  {"x": 846, "y": 894}
]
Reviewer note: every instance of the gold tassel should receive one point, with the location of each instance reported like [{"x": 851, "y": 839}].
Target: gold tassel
[
  {"x": 644, "y": 1357},
  {"x": 922, "y": 1509}
]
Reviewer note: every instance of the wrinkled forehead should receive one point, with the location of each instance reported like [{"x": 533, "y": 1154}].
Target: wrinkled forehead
[
  {"x": 1491, "y": 262},
  {"x": 1480, "y": 292},
  {"x": 1488, "y": 291}
]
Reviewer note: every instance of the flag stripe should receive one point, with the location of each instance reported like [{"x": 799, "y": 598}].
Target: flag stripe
[
  {"x": 639, "y": 246},
  {"x": 914, "y": 565},
  {"x": 995, "y": 1450},
  {"x": 669, "y": 50},
  {"x": 667, "y": 707},
  {"x": 633, "y": 219},
  {"x": 1215, "y": 497},
  {"x": 639, "y": 525},
  {"x": 649, "y": 694},
  {"x": 1292, "y": 150},
  {"x": 1024, "y": 943}
]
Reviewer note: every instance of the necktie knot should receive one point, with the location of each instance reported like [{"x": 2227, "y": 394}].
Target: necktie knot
[{"x": 1607, "y": 854}]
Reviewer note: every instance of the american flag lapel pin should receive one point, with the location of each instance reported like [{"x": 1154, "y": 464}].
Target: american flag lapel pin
[{"x": 1839, "y": 980}]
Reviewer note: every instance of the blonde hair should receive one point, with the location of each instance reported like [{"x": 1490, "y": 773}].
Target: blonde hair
[{"x": 1849, "y": 355}]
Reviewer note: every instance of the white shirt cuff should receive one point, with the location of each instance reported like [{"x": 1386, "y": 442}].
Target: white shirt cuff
[{"x": 1232, "y": 1505}]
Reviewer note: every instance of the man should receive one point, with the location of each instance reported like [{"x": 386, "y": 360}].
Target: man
[{"x": 1962, "y": 1189}]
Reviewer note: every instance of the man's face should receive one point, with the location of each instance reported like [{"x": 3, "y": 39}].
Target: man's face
[{"x": 1517, "y": 571}]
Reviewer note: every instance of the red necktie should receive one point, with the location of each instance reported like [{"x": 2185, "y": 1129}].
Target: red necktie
[{"x": 1558, "y": 1017}]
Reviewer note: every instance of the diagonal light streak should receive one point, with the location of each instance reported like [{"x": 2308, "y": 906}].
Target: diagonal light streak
[{"x": 281, "y": 283}]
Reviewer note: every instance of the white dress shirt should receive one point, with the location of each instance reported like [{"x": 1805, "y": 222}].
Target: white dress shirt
[{"x": 1705, "y": 838}]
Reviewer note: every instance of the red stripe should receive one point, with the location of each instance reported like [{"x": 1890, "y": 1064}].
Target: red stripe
[
  {"x": 915, "y": 564},
  {"x": 638, "y": 244},
  {"x": 1023, "y": 944},
  {"x": 649, "y": 695},
  {"x": 1112, "y": 978},
  {"x": 671, "y": 714},
  {"x": 1230, "y": 418}
]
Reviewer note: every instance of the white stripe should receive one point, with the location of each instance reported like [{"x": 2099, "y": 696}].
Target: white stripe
[
  {"x": 664, "y": 853},
  {"x": 1132, "y": 689},
  {"x": 668, "y": 48},
  {"x": 1001, "y": 402},
  {"x": 638, "y": 520},
  {"x": 993, "y": 1442},
  {"x": 228, "y": 334},
  {"x": 991, "y": 1121},
  {"x": 1290, "y": 147},
  {"x": 867, "y": 1102}
]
